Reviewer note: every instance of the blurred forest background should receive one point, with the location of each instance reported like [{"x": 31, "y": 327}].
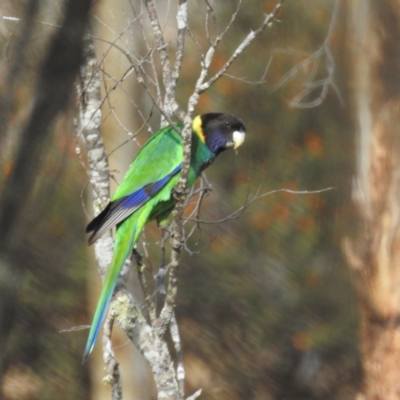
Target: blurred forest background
[{"x": 267, "y": 303}]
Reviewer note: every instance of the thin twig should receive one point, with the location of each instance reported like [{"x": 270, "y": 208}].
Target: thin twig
[
  {"x": 256, "y": 197},
  {"x": 313, "y": 61},
  {"x": 243, "y": 46}
]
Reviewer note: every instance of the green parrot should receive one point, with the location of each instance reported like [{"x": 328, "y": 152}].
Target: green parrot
[{"x": 145, "y": 193}]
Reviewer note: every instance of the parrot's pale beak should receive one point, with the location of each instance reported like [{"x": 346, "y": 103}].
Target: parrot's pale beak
[{"x": 238, "y": 139}]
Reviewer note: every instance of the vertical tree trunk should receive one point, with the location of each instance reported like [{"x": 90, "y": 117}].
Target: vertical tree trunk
[{"x": 374, "y": 40}]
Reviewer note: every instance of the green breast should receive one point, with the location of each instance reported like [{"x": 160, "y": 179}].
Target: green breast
[{"x": 201, "y": 158}]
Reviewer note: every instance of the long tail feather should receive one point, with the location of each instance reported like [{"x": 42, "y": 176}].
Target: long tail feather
[{"x": 126, "y": 237}]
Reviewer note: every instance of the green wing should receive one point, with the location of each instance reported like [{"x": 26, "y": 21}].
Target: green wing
[
  {"x": 157, "y": 158},
  {"x": 154, "y": 166}
]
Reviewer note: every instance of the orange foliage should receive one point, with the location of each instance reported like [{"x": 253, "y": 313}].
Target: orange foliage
[
  {"x": 305, "y": 224},
  {"x": 316, "y": 202},
  {"x": 281, "y": 212},
  {"x": 240, "y": 178},
  {"x": 301, "y": 341},
  {"x": 260, "y": 220},
  {"x": 314, "y": 144}
]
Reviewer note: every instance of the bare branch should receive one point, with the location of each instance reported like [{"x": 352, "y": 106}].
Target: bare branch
[
  {"x": 230, "y": 23},
  {"x": 210, "y": 12},
  {"x": 257, "y": 82},
  {"x": 181, "y": 18},
  {"x": 150, "y": 344},
  {"x": 311, "y": 63},
  {"x": 243, "y": 46},
  {"x": 256, "y": 197},
  {"x": 88, "y": 128},
  {"x": 162, "y": 50}
]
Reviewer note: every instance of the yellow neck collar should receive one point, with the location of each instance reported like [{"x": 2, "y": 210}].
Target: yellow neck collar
[{"x": 196, "y": 126}]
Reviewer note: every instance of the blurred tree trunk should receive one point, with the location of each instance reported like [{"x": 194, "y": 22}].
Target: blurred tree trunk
[
  {"x": 39, "y": 258},
  {"x": 374, "y": 38}
]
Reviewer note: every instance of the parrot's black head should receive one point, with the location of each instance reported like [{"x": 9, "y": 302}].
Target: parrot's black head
[{"x": 220, "y": 131}]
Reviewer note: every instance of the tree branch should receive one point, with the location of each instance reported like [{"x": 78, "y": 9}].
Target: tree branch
[
  {"x": 243, "y": 46},
  {"x": 150, "y": 344},
  {"x": 168, "y": 81}
]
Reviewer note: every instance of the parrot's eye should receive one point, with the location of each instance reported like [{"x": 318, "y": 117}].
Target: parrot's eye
[{"x": 226, "y": 123}]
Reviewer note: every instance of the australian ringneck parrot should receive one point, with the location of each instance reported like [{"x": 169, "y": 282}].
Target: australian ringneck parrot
[{"x": 145, "y": 193}]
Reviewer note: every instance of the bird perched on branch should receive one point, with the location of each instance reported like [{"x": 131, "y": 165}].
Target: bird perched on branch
[{"x": 145, "y": 193}]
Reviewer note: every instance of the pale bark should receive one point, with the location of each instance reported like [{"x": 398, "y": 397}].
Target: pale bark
[{"x": 374, "y": 37}]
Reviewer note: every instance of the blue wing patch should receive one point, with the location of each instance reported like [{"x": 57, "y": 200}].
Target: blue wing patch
[{"x": 118, "y": 210}]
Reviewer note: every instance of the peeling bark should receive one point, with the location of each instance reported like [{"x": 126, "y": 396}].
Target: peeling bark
[{"x": 374, "y": 30}]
